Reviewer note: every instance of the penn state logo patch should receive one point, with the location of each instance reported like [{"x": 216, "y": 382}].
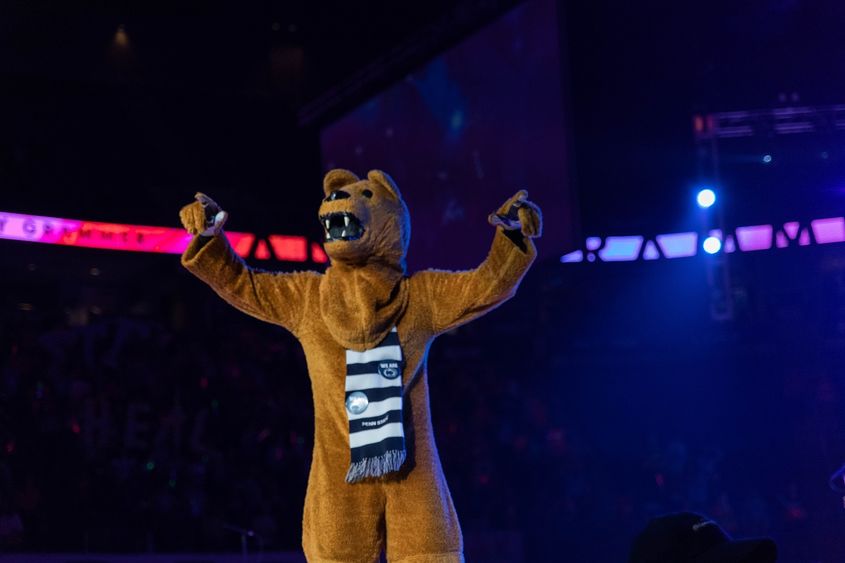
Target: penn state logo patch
[{"x": 389, "y": 369}]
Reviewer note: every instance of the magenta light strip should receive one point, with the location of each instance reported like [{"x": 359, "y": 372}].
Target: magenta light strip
[
  {"x": 829, "y": 230},
  {"x": 138, "y": 238},
  {"x": 679, "y": 245},
  {"x": 757, "y": 237}
]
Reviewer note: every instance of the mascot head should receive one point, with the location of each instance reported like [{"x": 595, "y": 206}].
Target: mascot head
[{"x": 364, "y": 221}]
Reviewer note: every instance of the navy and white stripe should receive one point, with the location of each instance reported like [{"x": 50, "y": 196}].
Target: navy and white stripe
[{"x": 374, "y": 409}]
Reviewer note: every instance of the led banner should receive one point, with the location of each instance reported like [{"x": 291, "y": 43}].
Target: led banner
[
  {"x": 289, "y": 248},
  {"x": 139, "y": 238},
  {"x": 681, "y": 245}
]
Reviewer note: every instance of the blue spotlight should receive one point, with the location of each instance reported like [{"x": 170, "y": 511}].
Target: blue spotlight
[
  {"x": 767, "y": 158},
  {"x": 712, "y": 245},
  {"x": 705, "y": 198}
]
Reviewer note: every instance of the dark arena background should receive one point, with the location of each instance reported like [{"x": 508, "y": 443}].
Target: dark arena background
[{"x": 679, "y": 345}]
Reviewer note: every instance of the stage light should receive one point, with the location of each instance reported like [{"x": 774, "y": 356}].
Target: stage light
[
  {"x": 712, "y": 245},
  {"x": 767, "y": 158},
  {"x": 705, "y": 198}
]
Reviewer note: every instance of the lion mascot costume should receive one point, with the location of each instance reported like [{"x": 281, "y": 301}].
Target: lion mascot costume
[{"x": 366, "y": 326}]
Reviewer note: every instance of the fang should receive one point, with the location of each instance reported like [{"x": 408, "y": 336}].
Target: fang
[{"x": 346, "y": 220}]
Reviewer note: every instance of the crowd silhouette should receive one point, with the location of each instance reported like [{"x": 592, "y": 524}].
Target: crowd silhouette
[{"x": 169, "y": 424}]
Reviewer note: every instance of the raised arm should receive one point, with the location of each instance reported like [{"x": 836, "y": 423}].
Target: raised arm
[
  {"x": 274, "y": 297},
  {"x": 455, "y": 298}
]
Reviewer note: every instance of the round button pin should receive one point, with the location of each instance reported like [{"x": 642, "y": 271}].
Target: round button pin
[{"x": 357, "y": 402}]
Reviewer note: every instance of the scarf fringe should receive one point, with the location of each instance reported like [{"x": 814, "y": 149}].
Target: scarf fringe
[{"x": 376, "y": 466}]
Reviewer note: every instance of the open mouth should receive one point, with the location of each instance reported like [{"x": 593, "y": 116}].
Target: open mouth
[{"x": 342, "y": 226}]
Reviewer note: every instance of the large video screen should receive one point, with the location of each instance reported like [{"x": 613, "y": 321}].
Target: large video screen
[{"x": 466, "y": 131}]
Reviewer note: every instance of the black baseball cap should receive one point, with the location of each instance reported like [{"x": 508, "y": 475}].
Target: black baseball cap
[{"x": 687, "y": 537}]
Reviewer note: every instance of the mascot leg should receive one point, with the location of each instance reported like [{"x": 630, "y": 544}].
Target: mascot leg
[
  {"x": 422, "y": 526},
  {"x": 343, "y": 524}
]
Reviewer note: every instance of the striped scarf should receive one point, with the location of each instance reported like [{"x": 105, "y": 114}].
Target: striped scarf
[{"x": 374, "y": 409}]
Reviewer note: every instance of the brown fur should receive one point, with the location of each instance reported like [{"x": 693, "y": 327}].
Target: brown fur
[{"x": 361, "y": 296}]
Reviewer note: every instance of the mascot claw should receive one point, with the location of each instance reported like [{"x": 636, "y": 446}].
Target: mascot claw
[
  {"x": 519, "y": 214},
  {"x": 203, "y": 217}
]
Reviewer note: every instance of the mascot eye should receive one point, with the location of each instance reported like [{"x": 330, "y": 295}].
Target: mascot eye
[
  {"x": 339, "y": 194},
  {"x": 367, "y": 194}
]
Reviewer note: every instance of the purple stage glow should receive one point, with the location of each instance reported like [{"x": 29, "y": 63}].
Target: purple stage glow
[
  {"x": 650, "y": 252},
  {"x": 678, "y": 245},
  {"x": 575, "y": 256},
  {"x": 593, "y": 243},
  {"x": 618, "y": 249},
  {"x": 827, "y": 231},
  {"x": 756, "y": 237}
]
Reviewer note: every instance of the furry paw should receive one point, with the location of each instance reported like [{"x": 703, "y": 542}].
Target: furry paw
[
  {"x": 203, "y": 217},
  {"x": 519, "y": 214}
]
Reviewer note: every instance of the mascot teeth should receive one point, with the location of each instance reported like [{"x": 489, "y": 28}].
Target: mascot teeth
[{"x": 342, "y": 226}]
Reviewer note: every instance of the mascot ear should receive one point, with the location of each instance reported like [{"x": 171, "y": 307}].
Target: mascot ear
[
  {"x": 381, "y": 178},
  {"x": 337, "y": 178}
]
